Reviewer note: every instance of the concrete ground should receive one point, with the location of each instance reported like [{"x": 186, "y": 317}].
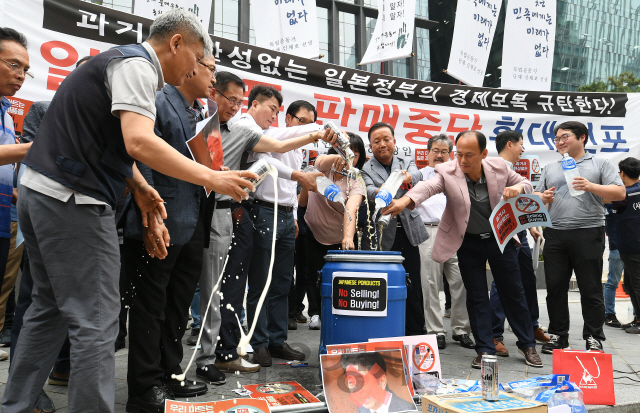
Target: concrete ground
[{"x": 456, "y": 363}]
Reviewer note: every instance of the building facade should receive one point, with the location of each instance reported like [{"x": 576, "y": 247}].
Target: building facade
[{"x": 595, "y": 39}]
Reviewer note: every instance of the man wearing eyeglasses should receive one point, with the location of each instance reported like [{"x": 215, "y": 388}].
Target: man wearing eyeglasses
[
  {"x": 438, "y": 149},
  {"x": 576, "y": 241},
  {"x": 14, "y": 66},
  {"x": 165, "y": 282}
]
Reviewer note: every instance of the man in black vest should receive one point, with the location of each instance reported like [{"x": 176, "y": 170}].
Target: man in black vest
[
  {"x": 628, "y": 234},
  {"x": 75, "y": 171}
]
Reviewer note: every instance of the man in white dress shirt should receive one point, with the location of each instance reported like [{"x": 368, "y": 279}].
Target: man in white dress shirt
[{"x": 439, "y": 147}]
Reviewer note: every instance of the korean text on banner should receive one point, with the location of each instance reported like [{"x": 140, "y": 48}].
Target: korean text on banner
[
  {"x": 510, "y": 217},
  {"x": 393, "y": 35},
  {"x": 529, "y": 41},
  {"x": 287, "y": 26},
  {"x": 475, "y": 26},
  {"x": 154, "y": 8}
]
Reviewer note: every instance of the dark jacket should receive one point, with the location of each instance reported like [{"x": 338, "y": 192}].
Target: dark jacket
[
  {"x": 32, "y": 120},
  {"x": 182, "y": 199},
  {"x": 396, "y": 404}
]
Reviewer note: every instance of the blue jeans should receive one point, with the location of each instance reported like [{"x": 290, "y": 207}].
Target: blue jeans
[
  {"x": 613, "y": 279},
  {"x": 195, "y": 309}
]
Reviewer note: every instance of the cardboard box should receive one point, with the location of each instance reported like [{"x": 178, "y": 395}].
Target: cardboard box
[{"x": 472, "y": 402}]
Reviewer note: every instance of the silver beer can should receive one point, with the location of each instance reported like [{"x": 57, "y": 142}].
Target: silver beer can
[
  {"x": 260, "y": 168},
  {"x": 344, "y": 146},
  {"x": 490, "y": 381}
]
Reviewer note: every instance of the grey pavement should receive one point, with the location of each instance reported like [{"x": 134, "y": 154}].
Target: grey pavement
[{"x": 456, "y": 363}]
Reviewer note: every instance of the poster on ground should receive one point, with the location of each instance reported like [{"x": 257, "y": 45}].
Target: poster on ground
[
  {"x": 281, "y": 393},
  {"x": 364, "y": 382},
  {"x": 222, "y": 406},
  {"x": 510, "y": 217}
]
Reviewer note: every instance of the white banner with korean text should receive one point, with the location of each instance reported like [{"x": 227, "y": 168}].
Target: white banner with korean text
[
  {"x": 351, "y": 98},
  {"x": 529, "y": 42},
  {"x": 154, "y": 8},
  {"x": 289, "y": 26},
  {"x": 392, "y": 37},
  {"x": 475, "y": 26}
]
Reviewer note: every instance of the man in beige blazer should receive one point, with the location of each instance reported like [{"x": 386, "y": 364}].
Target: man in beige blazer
[{"x": 473, "y": 185}]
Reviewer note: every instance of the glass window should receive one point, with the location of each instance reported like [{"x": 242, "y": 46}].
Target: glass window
[
  {"x": 424, "y": 58},
  {"x": 122, "y": 5},
  {"x": 400, "y": 67},
  {"x": 371, "y": 3},
  {"x": 422, "y": 9},
  {"x": 226, "y": 19},
  {"x": 323, "y": 33},
  {"x": 347, "y": 45}
]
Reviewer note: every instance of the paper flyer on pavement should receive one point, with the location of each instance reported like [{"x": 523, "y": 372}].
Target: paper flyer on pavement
[
  {"x": 222, "y": 406},
  {"x": 282, "y": 393},
  {"x": 519, "y": 213},
  {"x": 365, "y": 382},
  {"x": 422, "y": 358},
  {"x": 206, "y": 145},
  {"x": 372, "y": 346}
]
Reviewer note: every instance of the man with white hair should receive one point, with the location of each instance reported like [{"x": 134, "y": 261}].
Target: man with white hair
[{"x": 76, "y": 170}]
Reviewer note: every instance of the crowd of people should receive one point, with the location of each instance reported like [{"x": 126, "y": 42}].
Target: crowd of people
[{"x": 118, "y": 230}]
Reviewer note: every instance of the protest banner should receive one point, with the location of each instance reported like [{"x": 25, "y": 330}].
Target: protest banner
[
  {"x": 351, "y": 386},
  {"x": 206, "y": 146},
  {"x": 392, "y": 37},
  {"x": 352, "y": 98},
  {"x": 281, "y": 393},
  {"x": 519, "y": 213},
  {"x": 154, "y": 8},
  {"x": 222, "y": 406},
  {"x": 529, "y": 43},
  {"x": 292, "y": 28}
]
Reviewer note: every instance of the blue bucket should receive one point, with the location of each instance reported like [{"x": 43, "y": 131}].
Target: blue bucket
[{"x": 355, "y": 272}]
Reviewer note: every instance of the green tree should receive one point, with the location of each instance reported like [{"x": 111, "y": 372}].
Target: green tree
[{"x": 626, "y": 82}]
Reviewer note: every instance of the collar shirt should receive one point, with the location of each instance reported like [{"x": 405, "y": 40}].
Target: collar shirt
[
  {"x": 583, "y": 211},
  {"x": 7, "y": 137},
  {"x": 432, "y": 209},
  {"x": 480, "y": 206},
  {"x": 385, "y": 406},
  {"x": 292, "y": 160}
]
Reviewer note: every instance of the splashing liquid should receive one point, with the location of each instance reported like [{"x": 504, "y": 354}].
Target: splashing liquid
[
  {"x": 244, "y": 339},
  {"x": 370, "y": 230}
]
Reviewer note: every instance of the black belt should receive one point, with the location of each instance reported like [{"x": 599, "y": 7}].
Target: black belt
[
  {"x": 227, "y": 204},
  {"x": 484, "y": 235},
  {"x": 270, "y": 205},
  {"x": 431, "y": 225}
]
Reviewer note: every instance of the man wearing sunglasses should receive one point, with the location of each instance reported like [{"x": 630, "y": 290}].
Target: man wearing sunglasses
[{"x": 576, "y": 241}]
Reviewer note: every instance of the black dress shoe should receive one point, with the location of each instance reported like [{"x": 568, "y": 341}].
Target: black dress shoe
[
  {"x": 477, "y": 361},
  {"x": 292, "y": 325},
  {"x": 152, "y": 401},
  {"x": 211, "y": 374},
  {"x": 286, "y": 352},
  {"x": 442, "y": 342},
  {"x": 190, "y": 388},
  {"x": 465, "y": 341},
  {"x": 5, "y": 337},
  {"x": 262, "y": 356}
]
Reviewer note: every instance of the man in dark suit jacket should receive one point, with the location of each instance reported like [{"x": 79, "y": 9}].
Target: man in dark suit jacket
[
  {"x": 164, "y": 284},
  {"x": 408, "y": 232}
]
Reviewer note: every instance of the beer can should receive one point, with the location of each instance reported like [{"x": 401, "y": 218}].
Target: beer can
[
  {"x": 384, "y": 221},
  {"x": 260, "y": 168},
  {"x": 344, "y": 146},
  {"x": 490, "y": 382}
]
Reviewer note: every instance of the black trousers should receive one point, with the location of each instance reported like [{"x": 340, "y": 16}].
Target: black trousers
[
  {"x": 472, "y": 257},
  {"x": 233, "y": 291},
  {"x": 579, "y": 251},
  {"x": 299, "y": 285},
  {"x": 414, "y": 312},
  {"x": 315, "y": 261},
  {"x": 158, "y": 317},
  {"x": 632, "y": 278}
]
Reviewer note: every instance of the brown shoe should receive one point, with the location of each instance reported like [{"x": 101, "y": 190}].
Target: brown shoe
[
  {"x": 540, "y": 336},
  {"x": 262, "y": 356},
  {"x": 501, "y": 350},
  {"x": 477, "y": 362},
  {"x": 238, "y": 364},
  {"x": 531, "y": 356}
]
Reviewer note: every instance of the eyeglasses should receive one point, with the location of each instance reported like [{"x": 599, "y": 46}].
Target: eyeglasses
[
  {"x": 234, "y": 103},
  {"x": 212, "y": 69},
  {"x": 302, "y": 122},
  {"x": 563, "y": 138},
  {"x": 17, "y": 69},
  {"x": 437, "y": 152}
]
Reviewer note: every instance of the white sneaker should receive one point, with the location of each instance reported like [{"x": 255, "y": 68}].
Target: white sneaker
[
  {"x": 3, "y": 355},
  {"x": 314, "y": 323}
]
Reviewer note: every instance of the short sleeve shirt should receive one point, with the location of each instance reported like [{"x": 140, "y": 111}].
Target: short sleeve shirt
[{"x": 583, "y": 211}]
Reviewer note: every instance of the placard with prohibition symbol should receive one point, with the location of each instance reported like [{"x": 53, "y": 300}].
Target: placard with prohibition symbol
[
  {"x": 423, "y": 357},
  {"x": 517, "y": 214}
]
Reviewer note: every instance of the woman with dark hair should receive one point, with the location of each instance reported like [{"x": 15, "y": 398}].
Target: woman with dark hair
[{"x": 329, "y": 228}]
